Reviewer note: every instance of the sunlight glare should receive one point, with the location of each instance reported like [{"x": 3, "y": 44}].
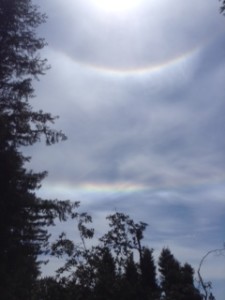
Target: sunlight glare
[{"x": 116, "y": 6}]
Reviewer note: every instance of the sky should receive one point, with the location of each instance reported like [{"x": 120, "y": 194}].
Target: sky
[{"x": 139, "y": 88}]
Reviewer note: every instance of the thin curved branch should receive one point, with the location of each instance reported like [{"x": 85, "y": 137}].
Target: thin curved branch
[{"x": 206, "y": 286}]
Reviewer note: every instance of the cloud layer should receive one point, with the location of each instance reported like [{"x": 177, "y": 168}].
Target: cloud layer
[{"x": 141, "y": 98}]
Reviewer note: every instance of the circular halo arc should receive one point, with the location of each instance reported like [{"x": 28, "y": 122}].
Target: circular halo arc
[{"x": 147, "y": 69}]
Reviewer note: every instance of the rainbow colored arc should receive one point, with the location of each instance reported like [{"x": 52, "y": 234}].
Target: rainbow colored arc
[{"x": 179, "y": 61}]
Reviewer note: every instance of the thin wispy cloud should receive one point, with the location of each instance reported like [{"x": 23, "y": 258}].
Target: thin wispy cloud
[{"x": 141, "y": 99}]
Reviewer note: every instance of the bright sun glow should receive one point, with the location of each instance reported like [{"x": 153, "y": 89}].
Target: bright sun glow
[{"x": 116, "y": 6}]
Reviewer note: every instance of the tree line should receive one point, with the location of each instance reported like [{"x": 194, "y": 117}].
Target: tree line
[{"x": 119, "y": 266}]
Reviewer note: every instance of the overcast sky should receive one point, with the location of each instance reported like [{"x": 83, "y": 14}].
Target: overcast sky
[{"x": 140, "y": 94}]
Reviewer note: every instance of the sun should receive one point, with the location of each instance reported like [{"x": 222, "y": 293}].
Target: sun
[{"x": 116, "y": 6}]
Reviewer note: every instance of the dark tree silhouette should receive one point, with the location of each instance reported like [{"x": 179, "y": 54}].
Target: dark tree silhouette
[
  {"x": 124, "y": 236},
  {"x": 131, "y": 271},
  {"x": 177, "y": 281},
  {"x": 105, "y": 286},
  {"x": 20, "y": 63},
  {"x": 148, "y": 275},
  {"x": 206, "y": 286},
  {"x": 188, "y": 289},
  {"x": 48, "y": 288},
  {"x": 222, "y": 8},
  {"x": 113, "y": 269},
  {"x": 130, "y": 287},
  {"x": 169, "y": 268},
  {"x": 24, "y": 217}
]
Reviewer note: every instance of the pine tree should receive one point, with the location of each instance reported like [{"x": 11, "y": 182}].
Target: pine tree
[
  {"x": 177, "y": 282},
  {"x": 131, "y": 271},
  {"x": 105, "y": 286},
  {"x": 148, "y": 275},
  {"x": 20, "y": 63},
  {"x": 24, "y": 217},
  {"x": 170, "y": 270},
  {"x": 189, "y": 291},
  {"x": 130, "y": 288}
]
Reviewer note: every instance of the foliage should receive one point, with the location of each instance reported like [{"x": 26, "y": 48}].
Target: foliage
[
  {"x": 124, "y": 237},
  {"x": 20, "y": 63},
  {"x": 120, "y": 267},
  {"x": 222, "y": 8},
  {"x": 176, "y": 281},
  {"x": 148, "y": 274},
  {"x": 24, "y": 217}
]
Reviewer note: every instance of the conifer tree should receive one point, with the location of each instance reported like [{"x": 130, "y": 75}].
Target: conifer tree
[
  {"x": 24, "y": 217},
  {"x": 170, "y": 270},
  {"x": 148, "y": 275},
  {"x": 96, "y": 272},
  {"x": 177, "y": 282},
  {"x": 190, "y": 292},
  {"x": 105, "y": 286},
  {"x": 130, "y": 287}
]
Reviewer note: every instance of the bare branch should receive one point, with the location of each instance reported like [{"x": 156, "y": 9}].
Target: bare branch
[{"x": 207, "y": 285}]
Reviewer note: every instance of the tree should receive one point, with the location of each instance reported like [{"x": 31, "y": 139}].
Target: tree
[
  {"x": 177, "y": 282},
  {"x": 148, "y": 275},
  {"x": 222, "y": 8},
  {"x": 124, "y": 237},
  {"x": 189, "y": 291},
  {"x": 169, "y": 268},
  {"x": 96, "y": 273},
  {"x": 206, "y": 286},
  {"x": 49, "y": 289},
  {"x": 131, "y": 271},
  {"x": 130, "y": 287},
  {"x": 24, "y": 217},
  {"x": 105, "y": 286},
  {"x": 107, "y": 270},
  {"x": 20, "y": 64}
]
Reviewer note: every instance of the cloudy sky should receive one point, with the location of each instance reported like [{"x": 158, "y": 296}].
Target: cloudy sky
[{"x": 139, "y": 88}]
